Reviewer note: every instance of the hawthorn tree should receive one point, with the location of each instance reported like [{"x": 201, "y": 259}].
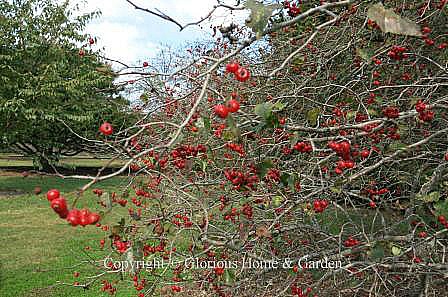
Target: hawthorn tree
[
  {"x": 52, "y": 82},
  {"x": 315, "y": 133}
]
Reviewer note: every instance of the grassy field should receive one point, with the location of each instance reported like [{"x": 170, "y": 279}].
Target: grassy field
[
  {"x": 39, "y": 249},
  {"x": 82, "y": 160}
]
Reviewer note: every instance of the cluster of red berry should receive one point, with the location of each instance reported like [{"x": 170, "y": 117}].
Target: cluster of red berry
[
  {"x": 247, "y": 211},
  {"x": 186, "y": 221},
  {"x": 293, "y": 9},
  {"x": 82, "y": 217},
  {"x": 107, "y": 287},
  {"x": 240, "y": 179},
  {"x": 181, "y": 154},
  {"x": 320, "y": 205},
  {"x": 75, "y": 217},
  {"x": 341, "y": 148},
  {"x": 57, "y": 203},
  {"x": 176, "y": 288},
  {"x": 391, "y": 112},
  {"x": 299, "y": 291},
  {"x": 303, "y": 147},
  {"x": 241, "y": 73},
  {"x": 139, "y": 286},
  {"x": 231, "y": 215},
  {"x": 122, "y": 246},
  {"x": 424, "y": 113},
  {"x": 351, "y": 242},
  {"x": 397, "y": 53},
  {"x": 273, "y": 175},
  {"x": 222, "y": 110},
  {"x": 148, "y": 249},
  {"x": 442, "y": 220},
  {"x": 236, "y": 148},
  {"x": 97, "y": 192},
  {"x": 372, "y": 24}
]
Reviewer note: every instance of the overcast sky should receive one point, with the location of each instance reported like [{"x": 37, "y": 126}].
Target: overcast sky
[{"x": 132, "y": 36}]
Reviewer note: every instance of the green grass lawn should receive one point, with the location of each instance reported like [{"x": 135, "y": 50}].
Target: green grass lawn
[
  {"x": 38, "y": 248},
  {"x": 11, "y": 160}
]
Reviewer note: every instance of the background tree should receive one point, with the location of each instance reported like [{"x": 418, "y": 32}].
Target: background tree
[{"x": 50, "y": 76}]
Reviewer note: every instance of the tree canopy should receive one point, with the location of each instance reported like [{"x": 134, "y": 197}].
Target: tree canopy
[{"x": 51, "y": 78}]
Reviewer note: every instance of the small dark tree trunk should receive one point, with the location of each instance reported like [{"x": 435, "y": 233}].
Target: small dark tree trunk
[{"x": 45, "y": 165}]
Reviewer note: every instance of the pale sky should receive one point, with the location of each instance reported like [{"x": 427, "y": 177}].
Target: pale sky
[{"x": 132, "y": 36}]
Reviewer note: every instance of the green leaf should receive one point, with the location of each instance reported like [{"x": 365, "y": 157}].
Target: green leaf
[
  {"x": 390, "y": 22},
  {"x": 395, "y": 146},
  {"x": 289, "y": 180},
  {"x": 377, "y": 252},
  {"x": 264, "y": 110},
  {"x": 259, "y": 15},
  {"x": 263, "y": 167},
  {"x": 431, "y": 197},
  {"x": 277, "y": 201},
  {"x": 365, "y": 54},
  {"x": 312, "y": 116},
  {"x": 207, "y": 124},
  {"x": 229, "y": 275},
  {"x": 336, "y": 190},
  {"x": 297, "y": 61},
  {"x": 233, "y": 126},
  {"x": 279, "y": 106},
  {"x": 441, "y": 208}
]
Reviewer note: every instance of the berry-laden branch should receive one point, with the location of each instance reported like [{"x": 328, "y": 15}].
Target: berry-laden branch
[{"x": 323, "y": 140}]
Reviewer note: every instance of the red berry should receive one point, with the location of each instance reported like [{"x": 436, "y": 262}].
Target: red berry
[
  {"x": 91, "y": 41},
  {"x": 441, "y": 219},
  {"x": 145, "y": 64},
  {"x": 242, "y": 74},
  {"x": 429, "y": 41},
  {"x": 84, "y": 217},
  {"x": 73, "y": 217},
  {"x": 365, "y": 154},
  {"x": 93, "y": 218},
  {"x": 232, "y": 67},
  {"x": 233, "y": 105},
  {"x": 372, "y": 204},
  {"x": 221, "y": 111},
  {"x": 106, "y": 128},
  {"x": 442, "y": 45},
  {"x": 446, "y": 157},
  {"x": 345, "y": 147},
  {"x": 422, "y": 234},
  {"x": 53, "y": 194},
  {"x": 338, "y": 170},
  {"x": 282, "y": 121},
  {"x": 59, "y": 205},
  {"x": 426, "y": 30},
  {"x": 349, "y": 164}
]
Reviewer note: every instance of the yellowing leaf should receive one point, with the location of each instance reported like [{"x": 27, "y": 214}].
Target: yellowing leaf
[
  {"x": 262, "y": 231},
  {"x": 312, "y": 116},
  {"x": 396, "y": 250},
  {"x": 259, "y": 15},
  {"x": 390, "y": 22}
]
